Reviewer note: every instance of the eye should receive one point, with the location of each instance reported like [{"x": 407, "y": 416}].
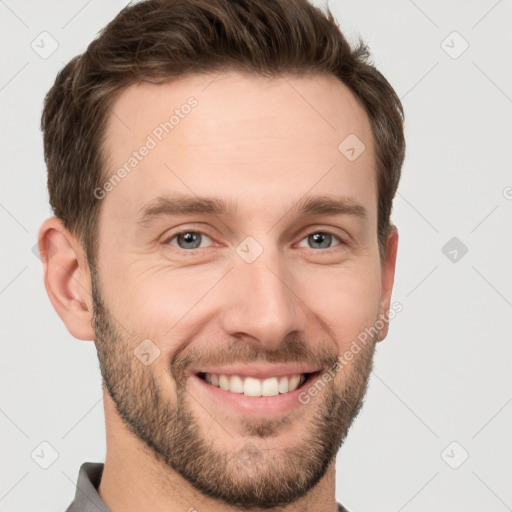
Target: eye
[
  {"x": 188, "y": 239},
  {"x": 322, "y": 239}
]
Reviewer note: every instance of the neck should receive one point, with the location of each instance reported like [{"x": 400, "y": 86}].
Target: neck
[{"x": 135, "y": 479}]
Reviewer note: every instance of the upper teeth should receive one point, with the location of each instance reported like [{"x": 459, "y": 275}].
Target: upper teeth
[{"x": 250, "y": 386}]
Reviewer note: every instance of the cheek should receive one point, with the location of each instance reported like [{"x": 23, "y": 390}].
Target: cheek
[
  {"x": 347, "y": 301},
  {"x": 162, "y": 302}
]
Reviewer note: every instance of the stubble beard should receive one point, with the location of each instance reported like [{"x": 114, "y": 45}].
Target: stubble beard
[{"x": 248, "y": 476}]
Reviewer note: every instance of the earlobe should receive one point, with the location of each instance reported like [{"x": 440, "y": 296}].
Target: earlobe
[
  {"x": 66, "y": 277},
  {"x": 388, "y": 277}
]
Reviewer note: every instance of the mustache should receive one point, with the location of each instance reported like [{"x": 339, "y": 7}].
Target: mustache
[{"x": 293, "y": 349}]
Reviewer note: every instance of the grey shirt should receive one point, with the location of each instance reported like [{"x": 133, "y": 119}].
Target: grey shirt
[{"x": 87, "y": 498}]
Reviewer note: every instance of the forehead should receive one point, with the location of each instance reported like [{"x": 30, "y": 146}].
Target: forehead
[{"x": 236, "y": 135}]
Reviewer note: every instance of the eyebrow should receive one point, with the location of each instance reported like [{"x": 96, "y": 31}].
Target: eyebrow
[{"x": 181, "y": 204}]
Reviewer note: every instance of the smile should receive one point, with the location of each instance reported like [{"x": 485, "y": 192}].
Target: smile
[{"x": 250, "y": 386}]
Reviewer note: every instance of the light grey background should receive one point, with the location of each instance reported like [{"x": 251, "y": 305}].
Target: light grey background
[{"x": 442, "y": 385}]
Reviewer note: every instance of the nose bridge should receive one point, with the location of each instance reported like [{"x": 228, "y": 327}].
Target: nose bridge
[{"x": 263, "y": 303}]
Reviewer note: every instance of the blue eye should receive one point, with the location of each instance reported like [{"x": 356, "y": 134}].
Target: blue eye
[
  {"x": 189, "y": 239},
  {"x": 323, "y": 239}
]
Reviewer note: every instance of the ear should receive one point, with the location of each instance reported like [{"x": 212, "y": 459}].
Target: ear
[
  {"x": 388, "y": 278},
  {"x": 66, "y": 277}
]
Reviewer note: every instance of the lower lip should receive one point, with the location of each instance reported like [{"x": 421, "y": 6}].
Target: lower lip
[{"x": 276, "y": 405}]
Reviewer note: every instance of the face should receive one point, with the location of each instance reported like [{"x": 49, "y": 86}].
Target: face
[{"x": 239, "y": 249}]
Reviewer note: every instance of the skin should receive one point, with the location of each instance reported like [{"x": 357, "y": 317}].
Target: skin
[{"x": 264, "y": 146}]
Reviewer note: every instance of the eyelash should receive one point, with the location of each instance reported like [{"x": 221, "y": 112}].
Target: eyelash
[{"x": 323, "y": 231}]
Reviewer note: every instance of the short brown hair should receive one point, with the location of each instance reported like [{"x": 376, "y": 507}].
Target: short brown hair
[{"x": 165, "y": 39}]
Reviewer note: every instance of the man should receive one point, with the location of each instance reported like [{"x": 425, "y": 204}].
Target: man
[{"x": 222, "y": 175}]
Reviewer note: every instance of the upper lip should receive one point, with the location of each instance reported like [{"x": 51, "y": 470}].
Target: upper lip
[{"x": 260, "y": 371}]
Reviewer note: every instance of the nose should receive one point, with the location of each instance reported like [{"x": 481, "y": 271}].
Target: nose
[{"x": 263, "y": 301}]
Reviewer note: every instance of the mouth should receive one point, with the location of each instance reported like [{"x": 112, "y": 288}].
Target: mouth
[
  {"x": 257, "y": 387},
  {"x": 250, "y": 396}
]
